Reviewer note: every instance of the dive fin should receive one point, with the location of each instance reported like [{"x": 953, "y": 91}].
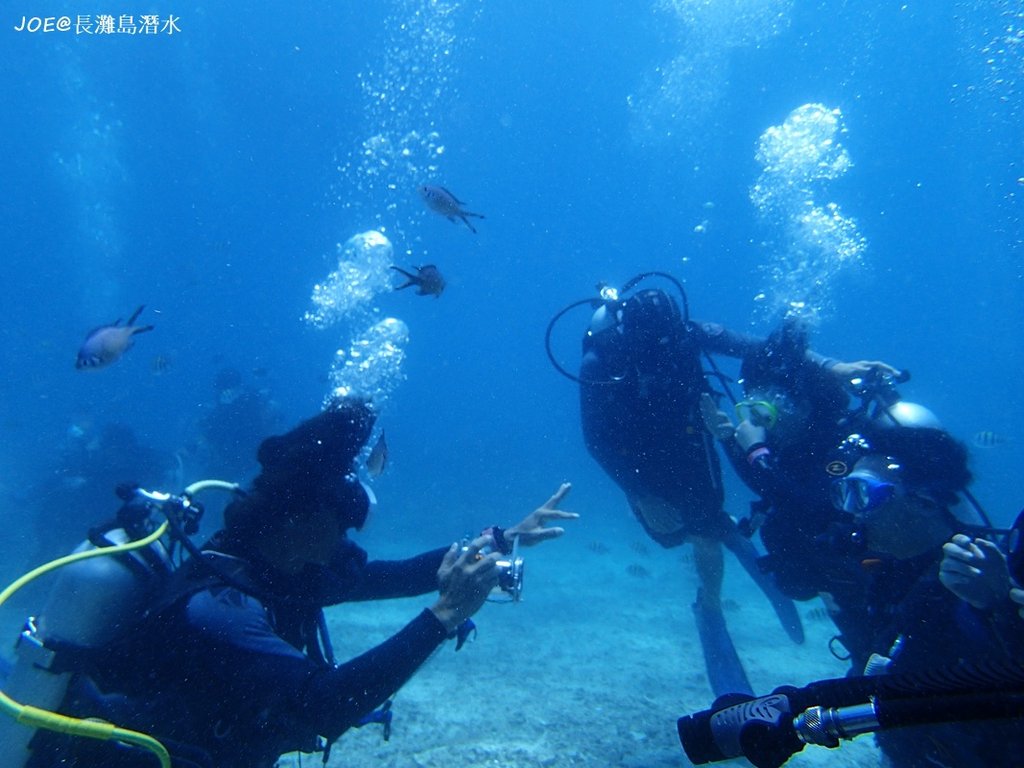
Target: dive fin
[
  {"x": 745, "y": 551},
  {"x": 725, "y": 672}
]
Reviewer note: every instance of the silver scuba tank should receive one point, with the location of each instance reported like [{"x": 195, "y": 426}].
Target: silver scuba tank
[{"x": 91, "y": 603}]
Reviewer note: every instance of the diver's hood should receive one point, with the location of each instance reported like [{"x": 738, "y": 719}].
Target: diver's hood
[{"x": 313, "y": 463}]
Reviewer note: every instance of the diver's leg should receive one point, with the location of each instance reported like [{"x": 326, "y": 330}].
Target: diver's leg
[
  {"x": 745, "y": 551},
  {"x": 725, "y": 672},
  {"x": 710, "y": 564}
]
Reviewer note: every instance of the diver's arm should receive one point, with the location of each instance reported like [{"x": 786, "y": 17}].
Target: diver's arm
[
  {"x": 385, "y": 579},
  {"x": 718, "y": 339},
  {"x": 754, "y": 463},
  {"x": 744, "y": 445},
  {"x": 846, "y": 371},
  {"x": 246, "y": 660},
  {"x": 335, "y": 699}
]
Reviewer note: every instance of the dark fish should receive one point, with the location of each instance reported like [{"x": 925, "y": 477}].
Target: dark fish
[
  {"x": 427, "y": 279},
  {"x": 378, "y": 457},
  {"x": 440, "y": 200},
  {"x": 987, "y": 439},
  {"x": 637, "y": 571},
  {"x": 106, "y": 344}
]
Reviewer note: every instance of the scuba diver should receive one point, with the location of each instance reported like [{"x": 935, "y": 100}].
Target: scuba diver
[
  {"x": 641, "y": 383},
  {"x": 902, "y": 490},
  {"x": 225, "y": 661},
  {"x": 941, "y": 678},
  {"x": 793, "y": 415},
  {"x": 797, "y": 434}
]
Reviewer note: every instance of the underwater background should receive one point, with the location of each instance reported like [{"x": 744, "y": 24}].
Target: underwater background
[{"x": 859, "y": 164}]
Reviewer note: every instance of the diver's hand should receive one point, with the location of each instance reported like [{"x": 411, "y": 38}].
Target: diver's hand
[
  {"x": 716, "y": 421},
  {"x": 531, "y": 529},
  {"x": 847, "y": 371},
  {"x": 1017, "y": 596},
  {"x": 465, "y": 579},
  {"x": 975, "y": 571}
]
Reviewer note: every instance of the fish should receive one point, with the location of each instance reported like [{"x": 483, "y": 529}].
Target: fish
[
  {"x": 427, "y": 279},
  {"x": 988, "y": 439},
  {"x": 160, "y": 365},
  {"x": 637, "y": 571},
  {"x": 378, "y": 458},
  {"x": 440, "y": 200},
  {"x": 104, "y": 346}
]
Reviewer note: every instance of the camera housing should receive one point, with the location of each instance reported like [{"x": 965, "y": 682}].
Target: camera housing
[{"x": 510, "y": 574}]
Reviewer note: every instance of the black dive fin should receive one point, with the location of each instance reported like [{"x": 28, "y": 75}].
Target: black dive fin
[
  {"x": 725, "y": 672},
  {"x": 745, "y": 551}
]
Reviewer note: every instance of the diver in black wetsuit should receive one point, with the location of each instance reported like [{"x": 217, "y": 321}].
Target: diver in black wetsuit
[
  {"x": 234, "y": 667},
  {"x": 893, "y": 486},
  {"x": 641, "y": 382},
  {"x": 784, "y": 448},
  {"x": 901, "y": 492}
]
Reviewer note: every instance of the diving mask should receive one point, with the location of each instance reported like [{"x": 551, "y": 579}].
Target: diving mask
[{"x": 864, "y": 490}]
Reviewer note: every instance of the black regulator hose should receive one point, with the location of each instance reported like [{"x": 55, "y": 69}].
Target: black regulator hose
[
  {"x": 547, "y": 338},
  {"x": 769, "y": 730},
  {"x": 596, "y": 302}
]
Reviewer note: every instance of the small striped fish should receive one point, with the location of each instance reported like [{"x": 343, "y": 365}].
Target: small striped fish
[{"x": 987, "y": 439}]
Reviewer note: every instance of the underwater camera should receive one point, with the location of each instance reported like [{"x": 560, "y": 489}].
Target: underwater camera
[{"x": 510, "y": 573}]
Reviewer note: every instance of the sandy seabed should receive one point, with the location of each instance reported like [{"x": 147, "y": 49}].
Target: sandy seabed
[{"x": 592, "y": 668}]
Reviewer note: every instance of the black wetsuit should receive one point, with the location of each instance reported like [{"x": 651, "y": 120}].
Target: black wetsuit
[
  {"x": 641, "y": 384},
  {"x": 801, "y": 530},
  {"x": 234, "y": 672},
  {"x": 935, "y": 630}
]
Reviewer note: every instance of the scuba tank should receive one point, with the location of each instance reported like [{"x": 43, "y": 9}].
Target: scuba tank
[
  {"x": 102, "y": 590},
  {"x": 883, "y": 405},
  {"x": 611, "y": 321}
]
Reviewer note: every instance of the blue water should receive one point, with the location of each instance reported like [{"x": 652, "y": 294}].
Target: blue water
[{"x": 210, "y": 175}]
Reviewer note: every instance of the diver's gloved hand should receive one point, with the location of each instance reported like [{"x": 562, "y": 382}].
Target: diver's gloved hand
[
  {"x": 531, "y": 529},
  {"x": 975, "y": 570},
  {"x": 716, "y": 421}
]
